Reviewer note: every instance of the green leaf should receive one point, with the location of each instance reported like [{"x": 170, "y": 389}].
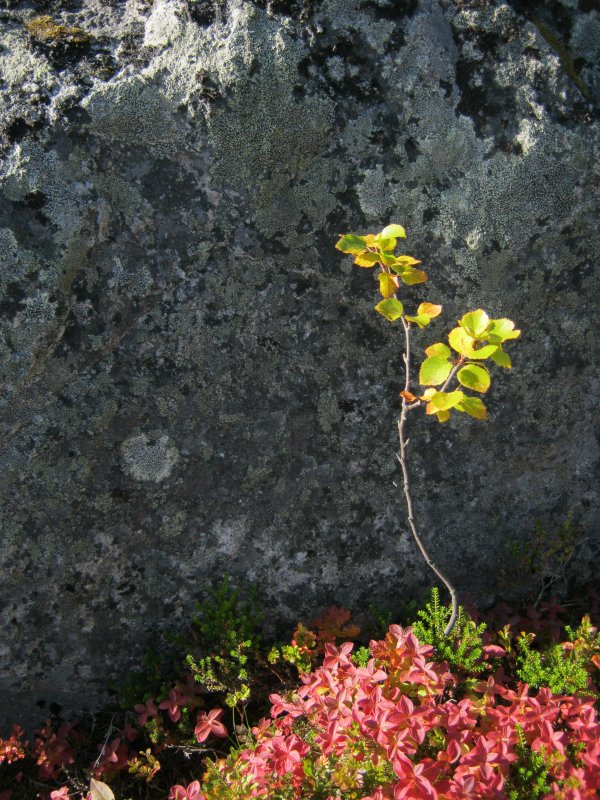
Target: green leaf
[
  {"x": 412, "y": 276},
  {"x": 388, "y": 284},
  {"x": 100, "y": 790},
  {"x": 389, "y": 259},
  {"x": 386, "y": 244},
  {"x": 351, "y": 243},
  {"x": 473, "y": 407},
  {"x": 461, "y": 341},
  {"x": 441, "y": 401},
  {"x": 474, "y": 377},
  {"x": 391, "y": 308},
  {"x": 486, "y": 351},
  {"x": 397, "y": 231},
  {"x": 443, "y": 416},
  {"x": 434, "y": 370},
  {"x": 421, "y": 320},
  {"x": 501, "y": 358},
  {"x": 475, "y": 322},
  {"x": 367, "y": 259},
  {"x": 438, "y": 349},
  {"x": 502, "y": 329}
]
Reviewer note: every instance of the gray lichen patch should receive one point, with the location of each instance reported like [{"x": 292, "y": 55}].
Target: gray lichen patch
[{"x": 149, "y": 456}]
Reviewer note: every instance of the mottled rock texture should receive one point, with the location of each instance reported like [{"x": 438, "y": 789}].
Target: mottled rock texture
[{"x": 193, "y": 379}]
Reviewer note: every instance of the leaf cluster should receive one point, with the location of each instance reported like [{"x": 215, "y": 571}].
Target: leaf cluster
[
  {"x": 564, "y": 667},
  {"x": 475, "y": 339},
  {"x": 226, "y": 636},
  {"x": 463, "y": 647},
  {"x": 529, "y": 777}
]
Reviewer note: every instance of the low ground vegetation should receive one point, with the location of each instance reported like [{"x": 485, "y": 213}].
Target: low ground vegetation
[{"x": 504, "y": 708}]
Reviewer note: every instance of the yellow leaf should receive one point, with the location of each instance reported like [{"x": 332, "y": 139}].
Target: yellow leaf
[
  {"x": 388, "y": 284},
  {"x": 431, "y": 309}
]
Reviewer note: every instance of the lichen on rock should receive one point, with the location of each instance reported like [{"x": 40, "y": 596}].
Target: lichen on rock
[{"x": 185, "y": 356}]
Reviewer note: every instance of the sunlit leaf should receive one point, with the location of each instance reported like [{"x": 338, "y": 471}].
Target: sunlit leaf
[
  {"x": 367, "y": 259},
  {"x": 431, "y": 309},
  {"x": 438, "y": 349},
  {"x": 397, "y": 231},
  {"x": 475, "y": 322},
  {"x": 461, "y": 341},
  {"x": 434, "y": 370},
  {"x": 484, "y": 352},
  {"x": 408, "y": 396},
  {"x": 370, "y": 239},
  {"x": 473, "y": 407},
  {"x": 503, "y": 329},
  {"x": 386, "y": 244},
  {"x": 443, "y": 416},
  {"x": 391, "y": 308},
  {"x": 407, "y": 261},
  {"x": 412, "y": 276},
  {"x": 389, "y": 259},
  {"x": 501, "y": 358},
  {"x": 388, "y": 284},
  {"x": 420, "y": 319},
  {"x": 100, "y": 790},
  {"x": 474, "y": 377},
  {"x": 351, "y": 243},
  {"x": 444, "y": 400}
]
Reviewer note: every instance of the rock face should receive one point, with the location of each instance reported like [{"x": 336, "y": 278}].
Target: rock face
[{"x": 193, "y": 379}]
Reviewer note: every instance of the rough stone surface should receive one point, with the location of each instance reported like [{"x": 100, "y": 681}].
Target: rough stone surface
[{"x": 193, "y": 379}]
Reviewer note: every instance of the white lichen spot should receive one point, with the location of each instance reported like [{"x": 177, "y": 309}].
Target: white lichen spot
[
  {"x": 228, "y": 534},
  {"x": 526, "y": 136},
  {"x": 163, "y": 25},
  {"x": 474, "y": 238},
  {"x": 149, "y": 456},
  {"x": 373, "y": 194}
]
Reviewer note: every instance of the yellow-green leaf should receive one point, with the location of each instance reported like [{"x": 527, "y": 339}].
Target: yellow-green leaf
[
  {"x": 412, "y": 276},
  {"x": 386, "y": 244},
  {"x": 397, "y": 231},
  {"x": 474, "y": 377},
  {"x": 501, "y": 358},
  {"x": 473, "y": 407},
  {"x": 431, "y": 309},
  {"x": 461, "y": 341},
  {"x": 420, "y": 319},
  {"x": 475, "y": 322},
  {"x": 442, "y": 401},
  {"x": 501, "y": 330},
  {"x": 367, "y": 259},
  {"x": 443, "y": 416},
  {"x": 351, "y": 243},
  {"x": 391, "y": 308},
  {"x": 407, "y": 261},
  {"x": 389, "y": 259},
  {"x": 484, "y": 352},
  {"x": 388, "y": 284},
  {"x": 434, "y": 370},
  {"x": 438, "y": 349}
]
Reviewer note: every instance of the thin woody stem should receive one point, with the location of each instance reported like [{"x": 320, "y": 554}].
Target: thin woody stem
[{"x": 401, "y": 455}]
